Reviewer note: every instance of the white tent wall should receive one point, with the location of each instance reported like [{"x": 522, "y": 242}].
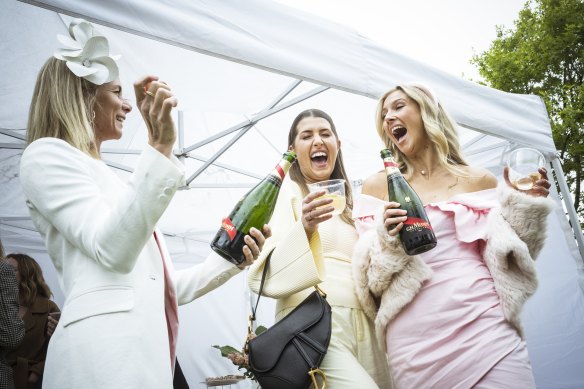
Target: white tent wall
[{"x": 215, "y": 94}]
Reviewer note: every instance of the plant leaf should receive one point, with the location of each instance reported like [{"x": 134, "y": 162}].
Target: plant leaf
[
  {"x": 260, "y": 329},
  {"x": 226, "y": 350}
]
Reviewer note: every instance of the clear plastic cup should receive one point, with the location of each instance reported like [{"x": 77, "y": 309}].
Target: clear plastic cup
[{"x": 335, "y": 189}]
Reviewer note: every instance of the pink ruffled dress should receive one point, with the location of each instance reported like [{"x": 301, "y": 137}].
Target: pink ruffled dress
[{"x": 453, "y": 334}]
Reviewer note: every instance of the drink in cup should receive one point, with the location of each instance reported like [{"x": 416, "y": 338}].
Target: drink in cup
[
  {"x": 523, "y": 167},
  {"x": 335, "y": 189}
]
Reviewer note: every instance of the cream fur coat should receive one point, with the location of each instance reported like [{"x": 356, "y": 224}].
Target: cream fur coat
[{"x": 387, "y": 279}]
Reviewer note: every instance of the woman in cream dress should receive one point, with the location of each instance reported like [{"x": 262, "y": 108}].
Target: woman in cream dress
[{"x": 310, "y": 246}]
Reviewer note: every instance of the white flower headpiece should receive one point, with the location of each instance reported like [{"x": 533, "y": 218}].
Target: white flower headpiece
[{"x": 87, "y": 53}]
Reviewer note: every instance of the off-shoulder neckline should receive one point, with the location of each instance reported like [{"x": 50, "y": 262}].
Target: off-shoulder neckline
[{"x": 448, "y": 200}]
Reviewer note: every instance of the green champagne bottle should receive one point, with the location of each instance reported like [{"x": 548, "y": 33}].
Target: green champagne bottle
[
  {"x": 416, "y": 235},
  {"x": 253, "y": 210}
]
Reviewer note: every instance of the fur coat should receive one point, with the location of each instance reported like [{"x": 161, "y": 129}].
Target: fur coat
[{"x": 387, "y": 279}]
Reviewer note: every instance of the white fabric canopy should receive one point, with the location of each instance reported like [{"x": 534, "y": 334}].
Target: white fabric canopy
[{"x": 215, "y": 95}]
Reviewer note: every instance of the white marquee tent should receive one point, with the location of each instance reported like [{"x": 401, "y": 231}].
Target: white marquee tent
[{"x": 242, "y": 71}]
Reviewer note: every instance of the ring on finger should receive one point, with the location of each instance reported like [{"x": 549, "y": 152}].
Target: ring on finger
[{"x": 149, "y": 93}]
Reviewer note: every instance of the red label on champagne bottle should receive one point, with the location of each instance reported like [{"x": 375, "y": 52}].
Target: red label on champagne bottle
[
  {"x": 415, "y": 224},
  {"x": 280, "y": 171},
  {"x": 390, "y": 166},
  {"x": 228, "y": 226}
]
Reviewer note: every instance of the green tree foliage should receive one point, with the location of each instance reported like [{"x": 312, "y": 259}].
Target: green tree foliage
[{"x": 544, "y": 55}]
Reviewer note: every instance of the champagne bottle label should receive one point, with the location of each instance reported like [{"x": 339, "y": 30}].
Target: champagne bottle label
[
  {"x": 416, "y": 224},
  {"x": 390, "y": 166},
  {"x": 277, "y": 175},
  {"x": 228, "y": 226}
]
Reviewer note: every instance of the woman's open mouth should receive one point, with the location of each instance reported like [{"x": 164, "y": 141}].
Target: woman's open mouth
[
  {"x": 319, "y": 158},
  {"x": 399, "y": 133}
]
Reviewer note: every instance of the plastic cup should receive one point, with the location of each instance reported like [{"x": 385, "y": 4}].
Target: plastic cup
[{"x": 335, "y": 189}]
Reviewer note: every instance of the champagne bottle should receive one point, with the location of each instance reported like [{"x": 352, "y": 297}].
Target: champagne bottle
[
  {"x": 416, "y": 234},
  {"x": 253, "y": 210}
]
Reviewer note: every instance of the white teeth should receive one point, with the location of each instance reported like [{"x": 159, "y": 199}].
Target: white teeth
[{"x": 318, "y": 154}]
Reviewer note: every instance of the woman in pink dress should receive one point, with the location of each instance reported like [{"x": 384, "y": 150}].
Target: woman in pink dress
[{"x": 449, "y": 318}]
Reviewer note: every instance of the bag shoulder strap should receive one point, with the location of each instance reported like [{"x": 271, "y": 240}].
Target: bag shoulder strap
[{"x": 254, "y": 309}]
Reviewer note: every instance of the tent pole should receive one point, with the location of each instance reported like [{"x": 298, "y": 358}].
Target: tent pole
[
  {"x": 12, "y": 134},
  {"x": 181, "y": 137},
  {"x": 247, "y": 127},
  {"x": 566, "y": 197},
  {"x": 249, "y": 122}
]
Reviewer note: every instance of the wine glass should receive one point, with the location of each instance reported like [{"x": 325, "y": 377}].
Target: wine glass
[
  {"x": 335, "y": 189},
  {"x": 524, "y": 164}
]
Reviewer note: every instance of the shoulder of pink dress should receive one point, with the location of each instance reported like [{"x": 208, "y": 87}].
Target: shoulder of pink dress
[{"x": 470, "y": 211}]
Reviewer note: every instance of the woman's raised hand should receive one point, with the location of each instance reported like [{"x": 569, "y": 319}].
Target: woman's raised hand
[
  {"x": 315, "y": 210},
  {"x": 394, "y": 217},
  {"x": 155, "y": 100},
  {"x": 540, "y": 188}
]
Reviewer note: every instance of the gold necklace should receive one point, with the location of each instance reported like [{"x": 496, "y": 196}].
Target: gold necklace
[{"x": 453, "y": 185}]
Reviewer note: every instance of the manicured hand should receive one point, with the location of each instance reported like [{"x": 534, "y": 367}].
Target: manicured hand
[
  {"x": 315, "y": 210},
  {"x": 156, "y": 101},
  {"x": 540, "y": 187},
  {"x": 254, "y": 242},
  {"x": 394, "y": 218}
]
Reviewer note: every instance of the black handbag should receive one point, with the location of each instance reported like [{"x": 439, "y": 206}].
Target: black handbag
[{"x": 288, "y": 354}]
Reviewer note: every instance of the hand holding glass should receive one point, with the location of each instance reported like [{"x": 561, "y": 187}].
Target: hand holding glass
[
  {"x": 335, "y": 189},
  {"x": 523, "y": 167}
]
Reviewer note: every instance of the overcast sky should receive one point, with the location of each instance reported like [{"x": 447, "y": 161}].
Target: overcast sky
[{"x": 442, "y": 33}]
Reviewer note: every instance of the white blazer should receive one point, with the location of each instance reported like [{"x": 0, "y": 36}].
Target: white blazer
[{"x": 99, "y": 234}]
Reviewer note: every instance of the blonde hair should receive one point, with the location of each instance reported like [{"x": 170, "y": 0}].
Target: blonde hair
[
  {"x": 63, "y": 107},
  {"x": 439, "y": 126},
  {"x": 338, "y": 171}
]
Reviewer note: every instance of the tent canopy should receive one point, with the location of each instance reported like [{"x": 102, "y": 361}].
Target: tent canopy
[{"x": 241, "y": 73}]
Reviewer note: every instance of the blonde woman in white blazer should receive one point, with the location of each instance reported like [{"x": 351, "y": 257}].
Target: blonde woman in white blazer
[{"x": 119, "y": 322}]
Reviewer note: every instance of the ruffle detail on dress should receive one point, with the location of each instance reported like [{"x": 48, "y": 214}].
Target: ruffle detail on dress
[
  {"x": 469, "y": 210},
  {"x": 365, "y": 208}
]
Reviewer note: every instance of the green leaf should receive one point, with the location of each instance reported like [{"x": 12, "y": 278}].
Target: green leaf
[
  {"x": 260, "y": 329},
  {"x": 226, "y": 350},
  {"x": 542, "y": 55}
]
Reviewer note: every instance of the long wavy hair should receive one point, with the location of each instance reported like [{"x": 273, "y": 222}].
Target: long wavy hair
[
  {"x": 32, "y": 283},
  {"x": 438, "y": 124},
  {"x": 62, "y": 107},
  {"x": 338, "y": 170}
]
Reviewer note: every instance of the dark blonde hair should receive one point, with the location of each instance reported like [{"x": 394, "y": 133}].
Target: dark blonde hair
[
  {"x": 439, "y": 126},
  {"x": 32, "y": 284},
  {"x": 338, "y": 170},
  {"x": 63, "y": 107}
]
